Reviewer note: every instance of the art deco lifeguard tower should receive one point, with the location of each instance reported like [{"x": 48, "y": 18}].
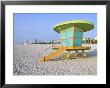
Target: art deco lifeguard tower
[{"x": 70, "y": 37}]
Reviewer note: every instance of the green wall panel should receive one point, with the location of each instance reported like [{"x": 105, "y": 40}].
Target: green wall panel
[
  {"x": 64, "y": 42},
  {"x": 69, "y": 33},
  {"x": 66, "y": 36},
  {"x": 78, "y": 36},
  {"x": 69, "y": 42}
]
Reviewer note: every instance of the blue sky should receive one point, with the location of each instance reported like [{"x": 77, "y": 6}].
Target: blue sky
[{"x": 40, "y": 25}]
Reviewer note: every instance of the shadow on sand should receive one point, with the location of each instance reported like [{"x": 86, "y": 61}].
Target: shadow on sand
[{"x": 92, "y": 53}]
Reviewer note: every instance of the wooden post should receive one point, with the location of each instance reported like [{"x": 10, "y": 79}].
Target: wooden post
[
  {"x": 44, "y": 59},
  {"x": 73, "y": 33},
  {"x": 82, "y": 51}
]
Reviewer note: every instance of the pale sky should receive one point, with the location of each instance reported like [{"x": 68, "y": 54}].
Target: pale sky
[{"x": 40, "y": 25}]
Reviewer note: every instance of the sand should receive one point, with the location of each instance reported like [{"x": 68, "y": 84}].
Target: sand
[{"x": 25, "y": 56}]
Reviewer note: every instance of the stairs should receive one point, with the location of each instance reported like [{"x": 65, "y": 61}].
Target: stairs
[{"x": 52, "y": 55}]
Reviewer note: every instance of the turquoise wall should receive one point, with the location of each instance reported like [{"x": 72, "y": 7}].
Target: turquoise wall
[
  {"x": 67, "y": 37},
  {"x": 78, "y": 37}
]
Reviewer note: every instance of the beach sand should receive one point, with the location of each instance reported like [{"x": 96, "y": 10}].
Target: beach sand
[{"x": 25, "y": 62}]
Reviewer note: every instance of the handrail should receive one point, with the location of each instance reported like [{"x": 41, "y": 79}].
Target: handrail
[
  {"x": 44, "y": 53},
  {"x": 50, "y": 47}
]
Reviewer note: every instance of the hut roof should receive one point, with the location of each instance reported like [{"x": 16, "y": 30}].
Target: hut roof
[{"x": 84, "y": 25}]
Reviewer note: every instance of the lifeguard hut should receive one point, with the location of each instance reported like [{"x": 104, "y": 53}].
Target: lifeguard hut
[{"x": 70, "y": 37}]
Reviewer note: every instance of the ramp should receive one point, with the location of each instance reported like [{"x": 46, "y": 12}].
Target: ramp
[{"x": 52, "y": 55}]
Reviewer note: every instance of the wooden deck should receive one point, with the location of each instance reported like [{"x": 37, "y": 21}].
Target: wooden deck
[
  {"x": 61, "y": 49},
  {"x": 52, "y": 55},
  {"x": 72, "y": 48}
]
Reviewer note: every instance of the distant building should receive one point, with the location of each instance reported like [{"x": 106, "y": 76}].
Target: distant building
[
  {"x": 86, "y": 40},
  {"x": 94, "y": 40},
  {"x": 35, "y": 41},
  {"x": 25, "y": 42},
  {"x": 30, "y": 42}
]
